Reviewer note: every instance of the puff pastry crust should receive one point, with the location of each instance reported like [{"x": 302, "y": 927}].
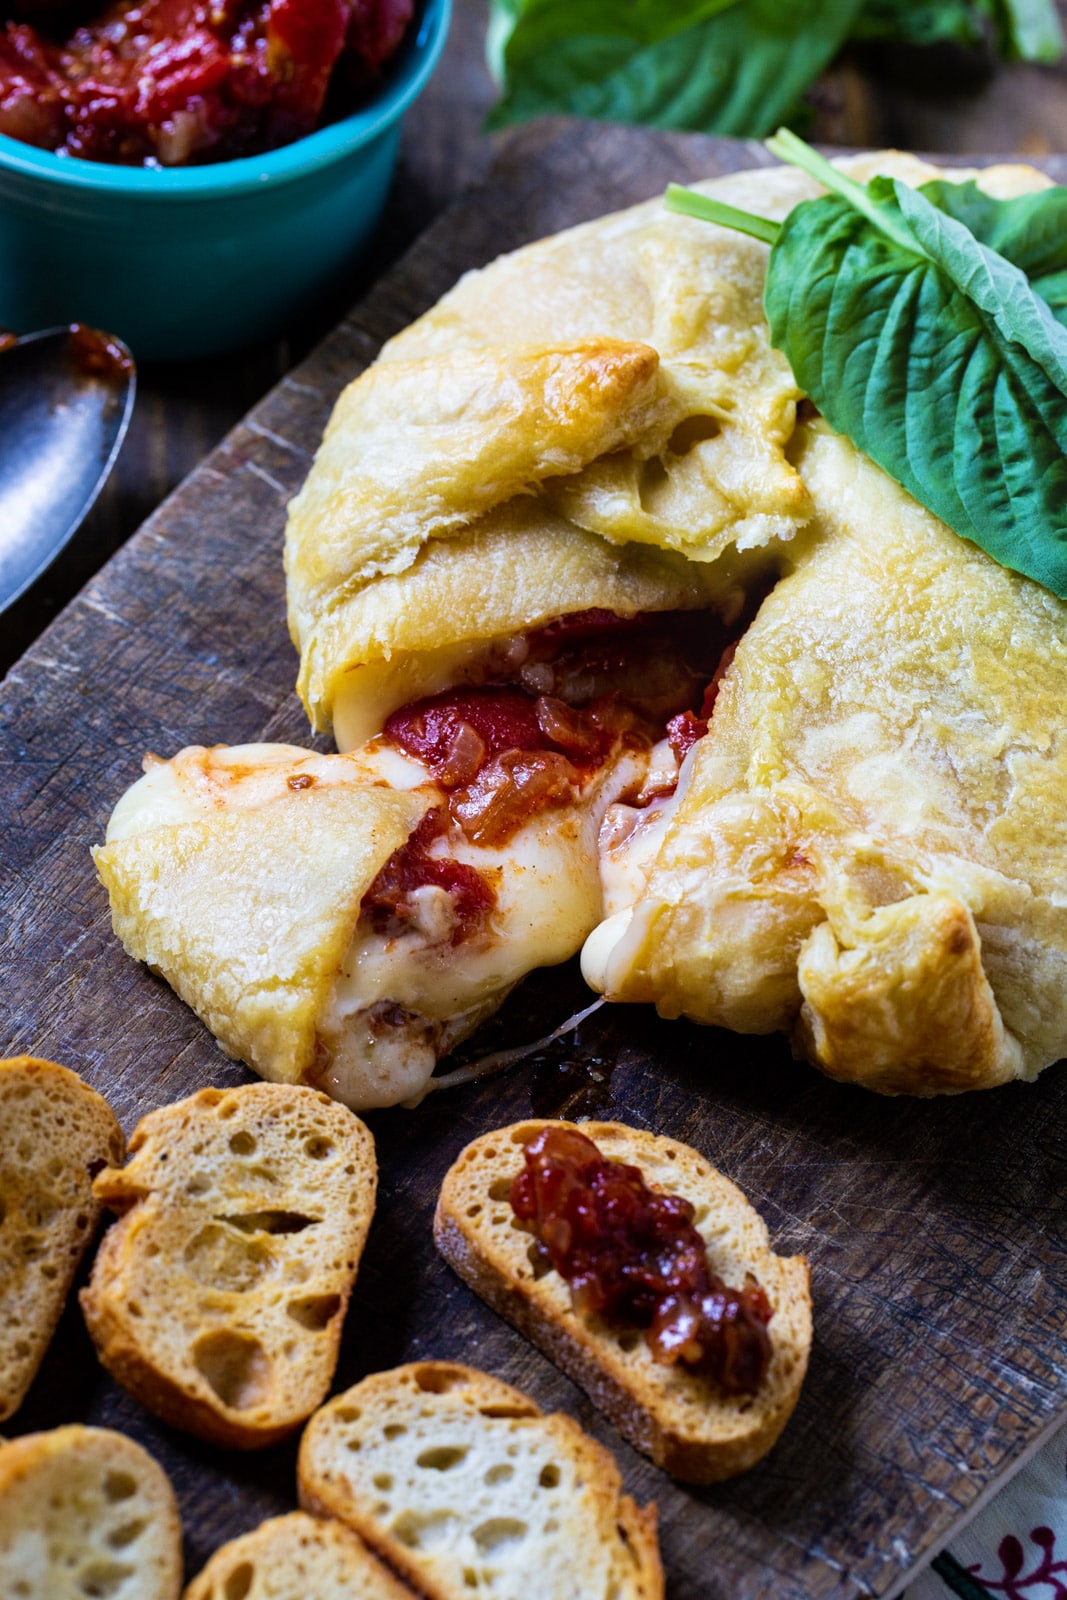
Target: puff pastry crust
[
  {"x": 597, "y": 420},
  {"x": 248, "y": 910},
  {"x": 872, "y": 846}
]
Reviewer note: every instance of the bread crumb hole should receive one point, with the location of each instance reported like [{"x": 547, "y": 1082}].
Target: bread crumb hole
[
  {"x": 120, "y": 1537},
  {"x": 442, "y": 1458},
  {"x": 119, "y": 1486},
  {"x": 628, "y": 1340},
  {"x": 538, "y": 1258},
  {"x": 425, "y": 1530},
  {"x": 499, "y": 1474},
  {"x": 239, "y": 1583},
  {"x": 470, "y": 1578},
  {"x": 394, "y": 1430},
  {"x": 318, "y": 1149},
  {"x": 549, "y": 1477},
  {"x": 474, "y": 1211},
  {"x": 494, "y": 1535},
  {"x": 383, "y": 1481},
  {"x": 504, "y": 1412},
  {"x": 348, "y": 1413},
  {"x": 500, "y": 1189},
  {"x": 489, "y": 1155},
  {"x": 235, "y": 1366},
  {"x": 103, "y": 1579},
  {"x": 315, "y": 1312},
  {"x": 438, "y": 1380},
  {"x": 270, "y": 1221}
]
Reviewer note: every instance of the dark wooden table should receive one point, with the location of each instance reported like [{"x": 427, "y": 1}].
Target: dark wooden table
[
  {"x": 940, "y": 1238},
  {"x": 938, "y": 101}
]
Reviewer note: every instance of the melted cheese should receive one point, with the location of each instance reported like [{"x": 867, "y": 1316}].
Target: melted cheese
[
  {"x": 627, "y": 846},
  {"x": 402, "y": 1001},
  {"x": 372, "y": 691},
  {"x": 548, "y": 899},
  {"x": 200, "y": 780}
]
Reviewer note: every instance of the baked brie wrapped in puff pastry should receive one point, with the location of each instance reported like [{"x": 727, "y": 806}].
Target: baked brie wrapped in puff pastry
[{"x": 536, "y": 530}]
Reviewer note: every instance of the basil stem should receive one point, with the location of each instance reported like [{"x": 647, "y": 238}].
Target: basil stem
[{"x": 692, "y": 204}]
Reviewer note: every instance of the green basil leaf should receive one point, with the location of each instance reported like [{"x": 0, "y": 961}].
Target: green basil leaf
[
  {"x": 522, "y": 29},
  {"x": 1027, "y": 30},
  {"x": 917, "y": 23},
  {"x": 737, "y": 67},
  {"x": 1030, "y": 230},
  {"x": 938, "y": 360}
]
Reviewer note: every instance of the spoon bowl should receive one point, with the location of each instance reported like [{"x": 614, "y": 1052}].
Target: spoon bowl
[{"x": 66, "y": 396}]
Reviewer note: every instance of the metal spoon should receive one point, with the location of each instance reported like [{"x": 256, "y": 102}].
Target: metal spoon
[{"x": 66, "y": 396}]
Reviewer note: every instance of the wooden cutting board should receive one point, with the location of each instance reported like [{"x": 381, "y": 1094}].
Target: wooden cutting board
[{"x": 937, "y": 1232}]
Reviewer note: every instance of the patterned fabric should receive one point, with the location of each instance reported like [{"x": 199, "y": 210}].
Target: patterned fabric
[{"x": 1017, "y": 1547}]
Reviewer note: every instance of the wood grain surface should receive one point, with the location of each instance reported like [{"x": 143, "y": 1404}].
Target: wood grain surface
[{"x": 937, "y": 1231}]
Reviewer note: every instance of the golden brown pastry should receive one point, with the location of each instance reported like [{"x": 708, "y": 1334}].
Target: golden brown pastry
[
  {"x": 871, "y": 845},
  {"x": 595, "y": 421},
  {"x": 238, "y": 875}
]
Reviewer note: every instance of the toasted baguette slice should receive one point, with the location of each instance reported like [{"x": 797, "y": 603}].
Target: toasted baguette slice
[
  {"x": 464, "y": 1487},
  {"x": 219, "y": 1296},
  {"x": 84, "y": 1511},
  {"x": 55, "y": 1133},
  {"x": 682, "y": 1420},
  {"x": 296, "y": 1558}
]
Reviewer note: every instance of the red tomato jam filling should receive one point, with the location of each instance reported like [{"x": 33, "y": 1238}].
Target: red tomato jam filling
[
  {"x": 172, "y": 82},
  {"x": 633, "y": 1256},
  {"x": 389, "y": 904},
  {"x": 589, "y": 686},
  {"x": 684, "y": 730}
]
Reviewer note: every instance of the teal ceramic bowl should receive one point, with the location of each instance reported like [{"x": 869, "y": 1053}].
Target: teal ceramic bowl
[{"x": 190, "y": 262}]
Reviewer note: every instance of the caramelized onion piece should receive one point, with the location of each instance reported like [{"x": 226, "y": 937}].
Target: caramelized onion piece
[
  {"x": 574, "y": 733},
  {"x": 509, "y": 789}
]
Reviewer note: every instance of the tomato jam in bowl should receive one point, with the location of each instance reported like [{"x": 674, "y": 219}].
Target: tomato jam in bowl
[{"x": 187, "y": 261}]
